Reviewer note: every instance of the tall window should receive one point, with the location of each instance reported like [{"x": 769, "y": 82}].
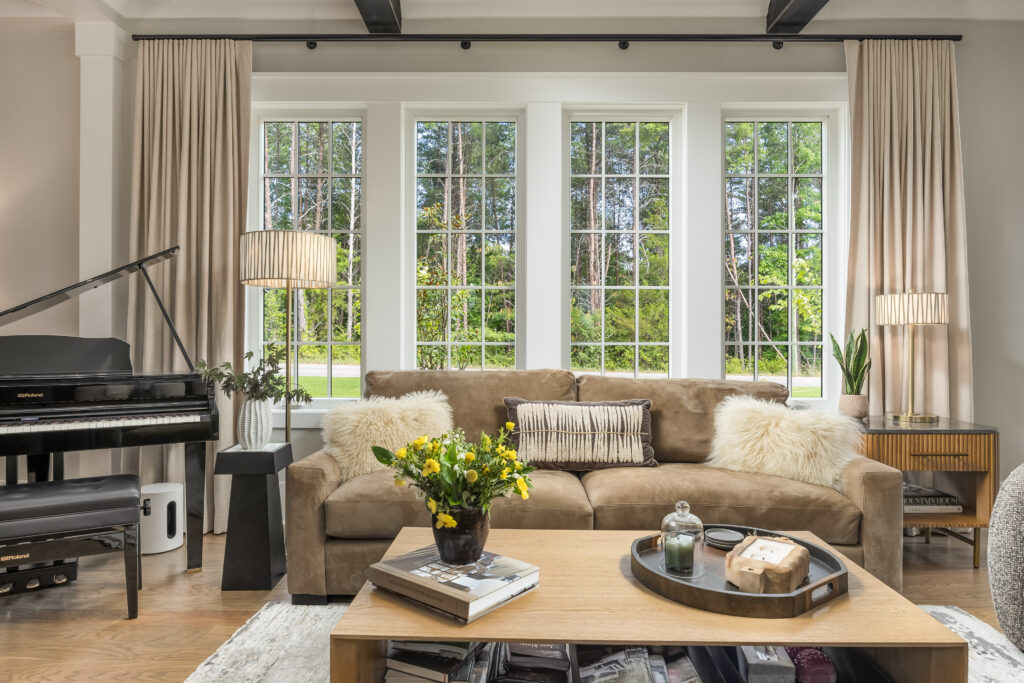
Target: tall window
[
  {"x": 619, "y": 247},
  {"x": 773, "y": 253},
  {"x": 312, "y": 180},
  {"x": 465, "y": 244}
]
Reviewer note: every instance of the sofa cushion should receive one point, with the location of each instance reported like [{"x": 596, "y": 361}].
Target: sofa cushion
[
  {"x": 476, "y": 397},
  {"x": 682, "y": 410},
  {"x": 638, "y": 498},
  {"x": 371, "y": 506}
]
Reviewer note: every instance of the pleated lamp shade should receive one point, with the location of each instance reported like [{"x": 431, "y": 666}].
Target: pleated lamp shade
[
  {"x": 912, "y": 308},
  {"x": 275, "y": 258}
]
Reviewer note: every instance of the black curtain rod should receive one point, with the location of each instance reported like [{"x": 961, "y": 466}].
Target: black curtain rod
[{"x": 466, "y": 40}]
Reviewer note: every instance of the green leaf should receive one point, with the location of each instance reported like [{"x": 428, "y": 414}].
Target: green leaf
[{"x": 383, "y": 455}]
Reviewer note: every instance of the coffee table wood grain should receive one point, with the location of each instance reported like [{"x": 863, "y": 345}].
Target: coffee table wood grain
[{"x": 587, "y": 594}]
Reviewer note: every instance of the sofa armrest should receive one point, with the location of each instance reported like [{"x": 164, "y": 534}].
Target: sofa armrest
[
  {"x": 309, "y": 482},
  {"x": 877, "y": 490}
]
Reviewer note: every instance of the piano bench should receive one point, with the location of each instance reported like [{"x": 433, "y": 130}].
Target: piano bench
[{"x": 54, "y": 520}]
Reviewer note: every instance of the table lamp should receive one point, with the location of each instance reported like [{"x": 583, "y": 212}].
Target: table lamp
[
  {"x": 287, "y": 259},
  {"x": 911, "y": 309}
]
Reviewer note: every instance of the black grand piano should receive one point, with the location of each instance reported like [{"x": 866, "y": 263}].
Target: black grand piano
[{"x": 60, "y": 394}]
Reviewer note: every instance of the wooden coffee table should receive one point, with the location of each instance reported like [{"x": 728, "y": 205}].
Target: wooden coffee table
[{"x": 588, "y": 595}]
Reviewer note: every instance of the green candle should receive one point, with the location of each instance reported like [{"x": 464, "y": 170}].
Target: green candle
[{"x": 679, "y": 553}]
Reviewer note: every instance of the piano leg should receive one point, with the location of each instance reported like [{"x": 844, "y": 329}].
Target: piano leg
[
  {"x": 195, "y": 496},
  {"x": 58, "y": 466},
  {"x": 38, "y": 465},
  {"x": 12, "y": 469}
]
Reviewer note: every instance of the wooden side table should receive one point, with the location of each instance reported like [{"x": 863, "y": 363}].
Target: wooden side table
[
  {"x": 254, "y": 556},
  {"x": 968, "y": 456}
]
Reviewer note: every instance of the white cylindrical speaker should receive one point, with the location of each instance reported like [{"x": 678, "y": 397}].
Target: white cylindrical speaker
[{"x": 163, "y": 528}]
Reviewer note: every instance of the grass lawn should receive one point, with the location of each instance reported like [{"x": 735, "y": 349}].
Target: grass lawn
[
  {"x": 344, "y": 387},
  {"x": 806, "y": 392}
]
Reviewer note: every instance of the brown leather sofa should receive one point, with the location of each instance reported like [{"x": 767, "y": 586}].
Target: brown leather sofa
[{"x": 335, "y": 530}]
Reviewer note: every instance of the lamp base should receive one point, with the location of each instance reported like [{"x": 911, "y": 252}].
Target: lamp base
[{"x": 911, "y": 418}]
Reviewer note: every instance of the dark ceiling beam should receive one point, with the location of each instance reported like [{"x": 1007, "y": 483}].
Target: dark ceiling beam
[
  {"x": 791, "y": 16},
  {"x": 381, "y": 16}
]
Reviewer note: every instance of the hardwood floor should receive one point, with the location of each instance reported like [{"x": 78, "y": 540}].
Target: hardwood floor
[{"x": 80, "y": 633}]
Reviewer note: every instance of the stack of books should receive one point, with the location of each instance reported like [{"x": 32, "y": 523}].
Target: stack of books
[
  {"x": 465, "y": 592},
  {"x": 416, "y": 662},
  {"x": 918, "y": 499},
  {"x": 635, "y": 665},
  {"x": 531, "y": 663}
]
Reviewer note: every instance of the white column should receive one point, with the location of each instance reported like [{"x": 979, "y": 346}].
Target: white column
[
  {"x": 543, "y": 327},
  {"x": 100, "y": 49},
  {"x": 102, "y": 241},
  {"x": 386, "y": 259},
  {"x": 702, "y": 243}
]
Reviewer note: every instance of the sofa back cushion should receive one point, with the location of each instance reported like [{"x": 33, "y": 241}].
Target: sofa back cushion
[
  {"x": 682, "y": 410},
  {"x": 476, "y": 398}
]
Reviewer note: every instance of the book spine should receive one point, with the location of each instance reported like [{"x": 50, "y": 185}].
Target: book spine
[
  {"x": 933, "y": 509},
  {"x": 419, "y": 593}
]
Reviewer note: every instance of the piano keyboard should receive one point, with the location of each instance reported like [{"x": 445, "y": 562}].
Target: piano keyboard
[{"x": 29, "y": 426}]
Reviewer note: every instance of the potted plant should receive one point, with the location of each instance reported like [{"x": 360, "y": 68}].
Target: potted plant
[
  {"x": 458, "y": 481},
  {"x": 854, "y": 362},
  {"x": 259, "y": 387}
]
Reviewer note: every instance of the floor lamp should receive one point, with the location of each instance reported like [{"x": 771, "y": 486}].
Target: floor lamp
[
  {"x": 289, "y": 259},
  {"x": 911, "y": 309}
]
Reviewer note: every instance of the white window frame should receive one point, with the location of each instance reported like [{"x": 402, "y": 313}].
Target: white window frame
[
  {"x": 834, "y": 234},
  {"x": 254, "y": 295},
  {"x": 545, "y": 101},
  {"x": 458, "y": 113},
  {"x": 674, "y": 117}
]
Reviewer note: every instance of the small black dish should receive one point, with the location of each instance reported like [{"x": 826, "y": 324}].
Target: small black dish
[{"x": 723, "y": 539}]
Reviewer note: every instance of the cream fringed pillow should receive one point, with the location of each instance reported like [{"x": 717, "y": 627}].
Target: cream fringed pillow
[
  {"x": 571, "y": 435},
  {"x": 353, "y": 427},
  {"x": 768, "y": 438}
]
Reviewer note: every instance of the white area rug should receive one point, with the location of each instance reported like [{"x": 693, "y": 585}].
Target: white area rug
[
  {"x": 993, "y": 658},
  {"x": 280, "y": 643}
]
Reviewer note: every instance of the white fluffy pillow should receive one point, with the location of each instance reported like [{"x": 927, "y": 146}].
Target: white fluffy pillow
[
  {"x": 353, "y": 427},
  {"x": 805, "y": 445}
]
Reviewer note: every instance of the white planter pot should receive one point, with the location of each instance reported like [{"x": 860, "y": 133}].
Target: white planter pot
[
  {"x": 853, "y": 405},
  {"x": 254, "y": 424}
]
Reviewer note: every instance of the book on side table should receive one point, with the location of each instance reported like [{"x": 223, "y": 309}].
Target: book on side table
[
  {"x": 464, "y": 592},
  {"x": 921, "y": 499}
]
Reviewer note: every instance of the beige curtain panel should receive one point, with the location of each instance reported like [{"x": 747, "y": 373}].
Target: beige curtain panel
[
  {"x": 189, "y": 181},
  {"x": 907, "y": 225}
]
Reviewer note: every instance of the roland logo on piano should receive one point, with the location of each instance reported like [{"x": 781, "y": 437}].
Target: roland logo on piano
[
  {"x": 7, "y": 558},
  {"x": 30, "y": 394}
]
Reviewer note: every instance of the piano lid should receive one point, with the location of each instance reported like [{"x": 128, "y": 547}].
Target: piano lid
[{"x": 60, "y": 296}]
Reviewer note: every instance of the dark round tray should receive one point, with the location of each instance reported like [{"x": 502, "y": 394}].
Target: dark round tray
[{"x": 826, "y": 579}]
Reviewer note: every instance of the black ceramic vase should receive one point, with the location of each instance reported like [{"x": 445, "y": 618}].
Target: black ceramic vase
[{"x": 463, "y": 543}]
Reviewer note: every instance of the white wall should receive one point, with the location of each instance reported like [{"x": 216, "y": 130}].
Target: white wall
[{"x": 38, "y": 175}]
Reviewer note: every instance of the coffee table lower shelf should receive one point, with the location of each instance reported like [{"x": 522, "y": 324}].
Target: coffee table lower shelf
[
  {"x": 363, "y": 661},
  {"x": 588, "y": 595}
]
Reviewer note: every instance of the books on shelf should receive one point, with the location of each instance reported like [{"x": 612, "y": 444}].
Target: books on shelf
[
  {"x": 465, "y": 592},
  {"x": 539, "y": 656},
  {"x": 921, "y": 499},
  {"x": 411, "y": 666}
]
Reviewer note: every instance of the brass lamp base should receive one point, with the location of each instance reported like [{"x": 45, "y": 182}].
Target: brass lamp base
[{"x": 911, "y": 418}]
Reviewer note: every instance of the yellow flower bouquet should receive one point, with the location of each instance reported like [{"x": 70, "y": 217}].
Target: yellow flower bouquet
[{"x": 459, "y": 479}]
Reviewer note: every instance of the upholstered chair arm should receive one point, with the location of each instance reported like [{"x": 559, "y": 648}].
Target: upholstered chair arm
[
  {"x": 309, "y": 482},
  {"x": 877, "y": 490}
]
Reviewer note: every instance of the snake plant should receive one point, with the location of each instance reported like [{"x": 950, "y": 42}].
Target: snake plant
[{"x": 853, "y": 361}]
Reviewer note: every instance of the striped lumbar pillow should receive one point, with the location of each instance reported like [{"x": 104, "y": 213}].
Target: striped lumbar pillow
[{"x": 570, "y": 435}]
